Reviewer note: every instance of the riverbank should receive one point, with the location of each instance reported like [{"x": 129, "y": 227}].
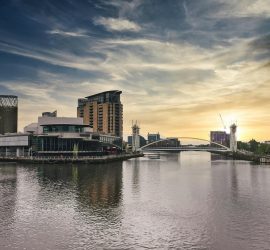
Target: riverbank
[
  {"x": 63, "y": 160},
  {"x": 247, "y": 157}
]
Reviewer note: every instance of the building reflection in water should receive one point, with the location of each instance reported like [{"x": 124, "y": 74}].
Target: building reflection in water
[
  {"x": 96, "y": 185},
  {"x": 136, "y": 175},
  {"x": 101, "y": 185},
  {"x": 132, "y": 176},
  {"x": 234, "y": 181},
  {"x": 174, "y": 156},
  {"x": 8, "y": 197},
  {"x": 216, "y": 157}
]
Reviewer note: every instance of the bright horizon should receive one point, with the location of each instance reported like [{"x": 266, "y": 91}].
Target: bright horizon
[{"x": 179, "y": 63}]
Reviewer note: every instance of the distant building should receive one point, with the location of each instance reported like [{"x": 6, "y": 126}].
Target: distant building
[
  {"x": 173, "y": 142},
  {"x": 50, "y": 114},
  {"x": 142, "y": 140},
  {"x": 129, "y": 139},
  {"x": 169, "y": 142},
  {"x": 153, "y": 137},
  {"x": 8, "y": 114},
  {"x": 220, "y": 137},
  {"x": 103, "y": 112},
  {"x": 267, "y": 142}
]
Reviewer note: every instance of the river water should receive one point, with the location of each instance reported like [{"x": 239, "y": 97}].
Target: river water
[{"x": 190, "y": 200}]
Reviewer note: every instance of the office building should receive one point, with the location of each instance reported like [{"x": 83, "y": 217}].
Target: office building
[
  {"x": 103, "y": 112},
  {"x": 169, "y": 142},
  {"x": 173, "y": 142},
  {"x": 220, "y": 137},
  {"x": 8, "y": 114},
  {"x": 141, "y": 138},
  {"x": 153, "y": 137}
]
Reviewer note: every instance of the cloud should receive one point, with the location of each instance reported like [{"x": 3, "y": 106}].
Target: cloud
[
  {"x": 117, "y": 24},
  {"x": 179, "y": 67},
  {"x": 242, "y": 8},
  {"x": 67, "y": 33},
  {"x": 125, "y": 8}
]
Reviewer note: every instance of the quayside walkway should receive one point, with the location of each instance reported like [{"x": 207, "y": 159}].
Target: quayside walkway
[{"x": 62, "y": 160}]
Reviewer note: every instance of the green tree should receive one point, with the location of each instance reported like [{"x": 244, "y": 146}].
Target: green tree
[
  {"x": 243, "y": 145},
  {"x": 253, "y": 145},
  {"x": 264, "y": 149}
]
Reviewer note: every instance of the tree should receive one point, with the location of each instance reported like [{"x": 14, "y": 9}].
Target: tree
[{"x": 253, "y": 145}]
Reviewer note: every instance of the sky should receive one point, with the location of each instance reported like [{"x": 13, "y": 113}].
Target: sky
[{"x": 179, "y": 63}]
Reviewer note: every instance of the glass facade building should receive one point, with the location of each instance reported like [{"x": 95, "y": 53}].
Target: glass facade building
[
  {"x": 220, "y": 137},
  {"x": 153, "y": 137},
  {"x": 63, "y": 128}
]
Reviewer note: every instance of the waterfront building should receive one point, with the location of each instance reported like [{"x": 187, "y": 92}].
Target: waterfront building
[
  {"x": 153, "y": 137},
  {"x": 220, "y": 137},
  {"x": 58, "y": 136},
  {"x": 173, "y": 142},
  {"x": 14, "y": 144},
  {"x": 103, "y": 112},
  {"x": 141, "y": 139},
  {"x": 56, "y": 124},
  {"x": 169, "y": 142},
  {"x": 8, "y": 114}
]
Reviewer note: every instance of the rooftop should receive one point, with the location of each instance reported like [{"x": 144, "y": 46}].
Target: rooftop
[{"x": 102, "y": 93}]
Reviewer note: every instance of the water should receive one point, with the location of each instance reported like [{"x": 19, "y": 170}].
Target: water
[{"x": 189, "y": 200}]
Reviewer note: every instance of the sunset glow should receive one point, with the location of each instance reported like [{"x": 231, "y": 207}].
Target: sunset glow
[{"x": 179, "y": 63}]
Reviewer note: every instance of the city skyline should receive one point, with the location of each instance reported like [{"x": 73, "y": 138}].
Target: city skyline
[{"x": 178, "y": 63}]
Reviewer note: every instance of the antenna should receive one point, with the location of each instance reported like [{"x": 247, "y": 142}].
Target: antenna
[{"x": 222, "y": 122}]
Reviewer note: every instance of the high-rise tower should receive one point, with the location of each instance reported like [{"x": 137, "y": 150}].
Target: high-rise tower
[
  {"x": 103, "y": 112},
  {"x": 135, "y": 137},
  {"x": 8, "y": 114},
  {"x": 233, "y": 140}
]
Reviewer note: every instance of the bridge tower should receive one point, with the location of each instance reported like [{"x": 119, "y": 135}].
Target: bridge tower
[
  {"x": 233, "y": 140},
  {"x": 135, "y": 137}
]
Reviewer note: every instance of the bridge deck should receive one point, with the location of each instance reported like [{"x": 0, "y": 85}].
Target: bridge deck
[{"x": 185, "y": 149}]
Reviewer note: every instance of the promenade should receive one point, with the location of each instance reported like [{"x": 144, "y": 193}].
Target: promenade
[{"x": 63, "y": 160}]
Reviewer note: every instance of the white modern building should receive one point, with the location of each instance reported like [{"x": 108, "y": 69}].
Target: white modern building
[
  {"x": 14, "y": 144},
  {"x": 74, "y": 124},
  {"x": 52, "y": 135}
]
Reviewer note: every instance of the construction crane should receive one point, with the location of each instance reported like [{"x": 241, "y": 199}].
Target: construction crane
[{"x": 222, "y": 122}]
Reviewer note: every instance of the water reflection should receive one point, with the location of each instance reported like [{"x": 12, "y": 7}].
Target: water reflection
[
  {"x": 216, "y": 157},
  {"x": 135, "y": 175},
  {"x": 8, "y": 193},
  {"x": 98, "y": 185},
  {"x": 190, "y": 200}
]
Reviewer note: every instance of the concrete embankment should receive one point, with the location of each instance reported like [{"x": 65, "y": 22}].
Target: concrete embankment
[{"x": 61, "y": 160}]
